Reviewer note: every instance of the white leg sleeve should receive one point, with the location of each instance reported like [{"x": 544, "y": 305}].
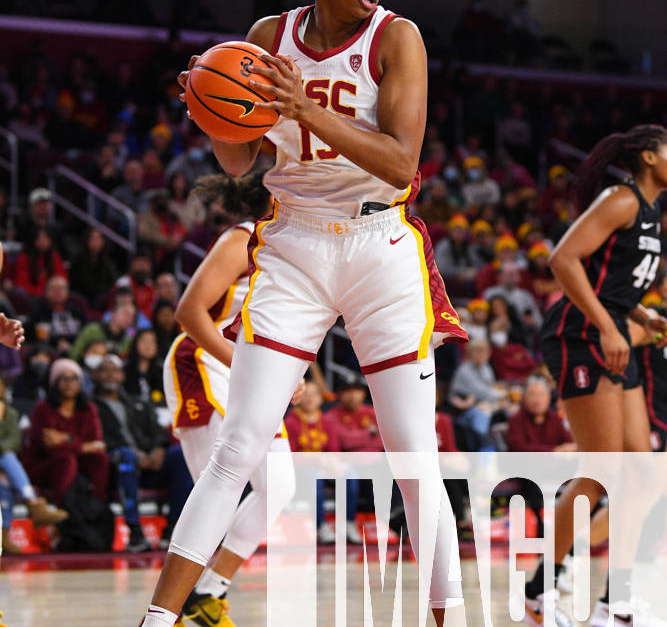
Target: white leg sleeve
[
  {"x": 404, "y": 399},
  {"x": 197, "y": 444},
  {"x": 254, "y": 411},
  {"x": 249, "y": 524}
]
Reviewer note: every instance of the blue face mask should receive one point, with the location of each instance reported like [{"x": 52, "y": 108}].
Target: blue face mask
[
  {"x": 451, "y": 173},
  {"x": 474, "y": 174},
  {"x": 196, "y": 154}
]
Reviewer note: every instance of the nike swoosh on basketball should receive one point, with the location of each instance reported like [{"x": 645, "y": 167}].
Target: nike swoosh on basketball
[
  {"x": 395, "y": 241},
  {"x": 248, "y": 105},
  {"x": 647, "y": 225},
  {"x": 422, "y": 376}
]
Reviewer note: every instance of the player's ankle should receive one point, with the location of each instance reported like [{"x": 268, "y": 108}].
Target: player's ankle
[{"x": 159, "y": 617}]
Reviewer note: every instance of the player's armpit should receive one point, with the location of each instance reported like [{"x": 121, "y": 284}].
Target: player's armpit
[{"x": 616, "y": 208}]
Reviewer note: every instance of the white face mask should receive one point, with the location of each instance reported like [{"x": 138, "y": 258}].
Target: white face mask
[
  {"x": 499, "y": 338},
  {"x": 92, "y": 361}
]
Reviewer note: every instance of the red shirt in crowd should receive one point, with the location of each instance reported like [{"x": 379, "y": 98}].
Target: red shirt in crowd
[
  {"x": 525, "y": 435},
  {"x": 444, "y": 429},
  {"x": 357, "y": 431},
  {"x": 35, "y": 285},
  {"x": 311, "y": 437},
  {"x": 144, "y": 295},
  {"x": 84, "y": 426}
]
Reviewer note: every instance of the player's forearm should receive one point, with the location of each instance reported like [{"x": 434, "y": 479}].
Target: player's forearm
[
  {"x": 574, "y": 281},
  {"x": 641, "y": 315},
  {"x": 201, "y": 328},
  {"x": 378, "y": 153},
  {"x": 236, "y": 159}
]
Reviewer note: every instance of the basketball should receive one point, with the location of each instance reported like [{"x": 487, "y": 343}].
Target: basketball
[{"x": 219, "y": 98}]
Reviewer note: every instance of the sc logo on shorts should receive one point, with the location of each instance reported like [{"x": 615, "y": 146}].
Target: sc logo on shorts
[{"x": 192, "y": 408}]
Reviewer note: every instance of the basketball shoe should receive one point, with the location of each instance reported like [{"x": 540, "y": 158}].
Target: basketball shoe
[
  {"x": 207, "y": 610},
  {"x": 535, "y": 612}
]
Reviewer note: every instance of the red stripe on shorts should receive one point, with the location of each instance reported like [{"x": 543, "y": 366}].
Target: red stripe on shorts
[{"x": 389, "y": 363}]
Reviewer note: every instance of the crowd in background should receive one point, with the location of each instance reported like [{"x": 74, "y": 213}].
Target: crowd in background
[{"x": 86, "y": 395}]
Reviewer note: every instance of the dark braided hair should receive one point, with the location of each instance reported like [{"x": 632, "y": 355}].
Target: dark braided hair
[{"x": 623, "y": 149}]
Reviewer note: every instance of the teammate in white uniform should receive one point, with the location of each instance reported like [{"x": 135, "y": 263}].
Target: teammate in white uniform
[
  {"x": 350, "y": 84},
  {"x": 196, "y": 385}
]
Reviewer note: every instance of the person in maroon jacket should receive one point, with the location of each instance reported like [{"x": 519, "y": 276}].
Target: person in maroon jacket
[
  {"x": 536, "y": 427},
  {"x": 66, "y": 436},
  {"x": 311, "y": 431}
]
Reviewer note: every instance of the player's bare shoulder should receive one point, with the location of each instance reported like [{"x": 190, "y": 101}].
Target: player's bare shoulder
[
  {"x": 263, "y": 32},
  {"x": 400, "y": 41}
]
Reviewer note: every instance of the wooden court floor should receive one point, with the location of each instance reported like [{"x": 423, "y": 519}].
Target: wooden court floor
[{"x": 117, "y": 596}]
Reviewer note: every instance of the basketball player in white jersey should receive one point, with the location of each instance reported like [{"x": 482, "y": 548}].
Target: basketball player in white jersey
[
  {"x": 196, "y": 384},
  {"x": 350, "y": 84}
]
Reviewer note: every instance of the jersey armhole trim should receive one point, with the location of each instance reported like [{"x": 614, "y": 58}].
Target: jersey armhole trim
[
  {"x": 375, "y": 45},
  {"x": 279, "y": 33}
]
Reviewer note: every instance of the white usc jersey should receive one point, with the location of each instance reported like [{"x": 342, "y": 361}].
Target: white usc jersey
[{"x": 308, "y": 175}]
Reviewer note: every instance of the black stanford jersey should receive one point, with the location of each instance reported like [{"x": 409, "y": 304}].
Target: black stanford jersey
[{"x": 620, "y": 271}]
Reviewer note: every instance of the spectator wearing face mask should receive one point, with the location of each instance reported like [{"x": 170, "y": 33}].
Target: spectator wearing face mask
[
  {"x": 195, "y": 162},
  {"x": 140, "y": 282},
  {"x": 93, "y": 354},
  {"x": 114, "y": 333},
  {"x": 479, "y": 190}
]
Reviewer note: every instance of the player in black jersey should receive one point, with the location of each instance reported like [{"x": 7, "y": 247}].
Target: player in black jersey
[{"x": 605, "y": 264}]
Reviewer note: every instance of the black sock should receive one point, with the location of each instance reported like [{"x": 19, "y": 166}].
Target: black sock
[{"x": 535, "y": 586}]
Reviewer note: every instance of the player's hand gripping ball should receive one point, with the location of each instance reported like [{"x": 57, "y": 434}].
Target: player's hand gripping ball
[{"x": 219, "y": 96}]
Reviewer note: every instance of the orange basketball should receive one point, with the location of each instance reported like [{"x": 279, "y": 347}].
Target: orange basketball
[{"x": 219, "y": 98}]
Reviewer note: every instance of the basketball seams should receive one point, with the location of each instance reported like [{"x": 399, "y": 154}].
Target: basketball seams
[{"x": 231, "y": 79}]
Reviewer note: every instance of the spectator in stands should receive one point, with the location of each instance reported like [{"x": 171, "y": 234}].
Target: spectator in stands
[
  {"x": 125, "y": 296},
  {"x": 38, "y": 263},
  {"x": 474, "y": 391},
  {"x": 39, "y": 510},
  {"x": 479, "y": 190},
  {"x": 186, "y": 206},
  {"x": 509, "y": 279},
  {"x": 153, "y": 170},
  {"x": 91, "y": 358},
  {"x": 506, "y": 249},
  {"x": 194, "y": 163},
  {"x": 504, "y": 325},
  {"x": 160, "y": 229},
  {"x": 32, "y": 384},
  {"x": 454, "y": 257},
  {"x": 39, "y": 216},
  {"x": 482, "y": 244},
  {"x": 65, "y": 436},
  {"x": 135, "y": 441},
  {"x": 93, "y": 273},
  {"x": 105, "y": 172},
  {"x": 161, "y": 140},
  {"x": 167, "y": 288},
  {"x": 131, "y": 192},
  {"x": 515, "y": 134},
  {"x": 536, "y": 426},
  {"x": 216, "y": 197},
  {"x": 510, "y": 174},
  {"x": 139, "y": 279},
  {"x": 542, "y": 283},
  {"x": 115, "y": 332},
  {"x": 558, "y": 189},
  {"x": 479, "y": 314},
  {"x": 63, "y": 132},
  {"x": 59, "y": 316},
  {"x": 436, "y": 157},
  {"x": 143, "y": 370},
  {"x": 165, "y": 326},
  {"x": 311, "y": 432}
]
